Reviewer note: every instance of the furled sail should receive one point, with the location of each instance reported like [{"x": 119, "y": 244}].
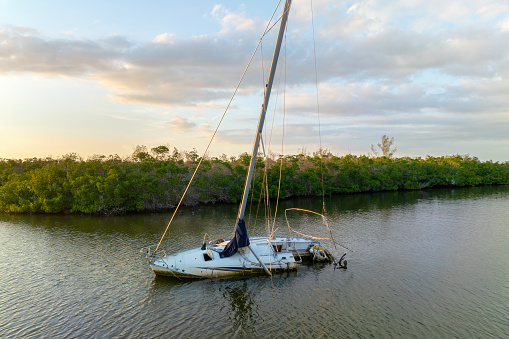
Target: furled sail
[{"x": 239, "y": 240}]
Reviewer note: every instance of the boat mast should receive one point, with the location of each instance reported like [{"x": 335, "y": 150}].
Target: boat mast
[{"x": 268, "y": 88}]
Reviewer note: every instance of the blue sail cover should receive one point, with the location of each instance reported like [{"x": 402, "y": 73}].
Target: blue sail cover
[{"x": 239, "y": 240}]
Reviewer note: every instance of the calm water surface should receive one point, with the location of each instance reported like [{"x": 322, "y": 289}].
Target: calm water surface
[{"x": 428, "y": 264}]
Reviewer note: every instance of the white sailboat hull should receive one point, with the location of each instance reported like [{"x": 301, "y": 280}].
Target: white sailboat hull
[{"x": 277, "y": 254}]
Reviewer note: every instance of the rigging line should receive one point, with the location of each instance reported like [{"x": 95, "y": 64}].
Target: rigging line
[
  {"x": 269, "y": 229},
  {"x": 263, "y": 146},
  {"x": 251, "y": 205},
  {"x": 318, "y": 108},
  {"x": 260, "y": 199},
  {"x": 267, "y": 203},
  {"x": 210, "y": 142},
  {"x": 268, "y": 211},
  {"x": 267, "y": 30},
  {"x": 269, "y": 214},
  {"x": 275, "y": 22},
  {"x": 277, "y": 92},
  {"x": 265, "y": 187},
  {"x": 263, "y": 68},
  {"x": 308, "y": 236},
  {"x": 275, "y": 106},
  {"x": 266, "y": 158},
  {"x": 282, "y": 137}
]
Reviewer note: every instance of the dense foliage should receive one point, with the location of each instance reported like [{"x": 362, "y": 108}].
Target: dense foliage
[{"x": 155, "y": 180}]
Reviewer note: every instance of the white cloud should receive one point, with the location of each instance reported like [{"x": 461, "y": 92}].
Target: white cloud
[
  {"x": 217, "y": 10},
  {"x": 165, "y": 38},
  {"x": 504, "y": 25},
  {"x": 181, "y": 125},
  {"x": 233, "y": 22},
  {"x": 491, "y": 11}
]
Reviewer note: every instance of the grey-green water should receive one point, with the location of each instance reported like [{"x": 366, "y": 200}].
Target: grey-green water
[{"x": 426, "y": 264}]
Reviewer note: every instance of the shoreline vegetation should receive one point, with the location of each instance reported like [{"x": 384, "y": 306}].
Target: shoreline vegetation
[{"x": 154, "y": 180}]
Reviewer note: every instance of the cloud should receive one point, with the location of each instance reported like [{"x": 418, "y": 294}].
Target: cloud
[
  {"x": 181, "y": 125},
  {"x": 373, "y": 58},
  {"x": 491, "y": 11},
  {"x": 164, "y": 72},
  {"x": 234, "y": 21},
  {"x": 165, "y": 38},
  {"x": 24, "y": 50},
  {"x": 504, "y": 25}
]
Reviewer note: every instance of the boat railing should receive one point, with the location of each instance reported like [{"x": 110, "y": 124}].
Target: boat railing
[{"x": 150, "y": 254}]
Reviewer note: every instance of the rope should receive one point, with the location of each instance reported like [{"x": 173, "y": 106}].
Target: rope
[
  {"x": 275, "y": 23},
  {"x": 265, "y": 181},
  {"x": 318, "y": 108},
  {"x": 263, "y": 67},
  {"x": 268, "y": 211},
  {"x": 267, "y": 29},
  {"x": 251, "y": 205},
  {"x": 217, "y": 128},
  {"x": 309, "y": 236},
  {"x": 283, "y": 132},
  {"x": 305, "y": 235}
]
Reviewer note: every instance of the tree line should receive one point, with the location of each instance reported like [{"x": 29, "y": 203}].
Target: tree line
[{"x": 154, "y": 180}]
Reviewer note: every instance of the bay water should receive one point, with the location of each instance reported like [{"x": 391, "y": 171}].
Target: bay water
[{"x": 421, "y": 264}]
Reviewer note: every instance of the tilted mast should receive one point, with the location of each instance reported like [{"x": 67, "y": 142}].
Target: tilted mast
[{"x": 261, "y": 121}]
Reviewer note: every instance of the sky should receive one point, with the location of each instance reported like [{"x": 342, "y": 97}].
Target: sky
[{"x": 102, "y": 77}]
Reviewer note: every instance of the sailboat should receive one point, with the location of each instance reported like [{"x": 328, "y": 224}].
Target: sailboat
[{"x": 243, "y": 255}]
